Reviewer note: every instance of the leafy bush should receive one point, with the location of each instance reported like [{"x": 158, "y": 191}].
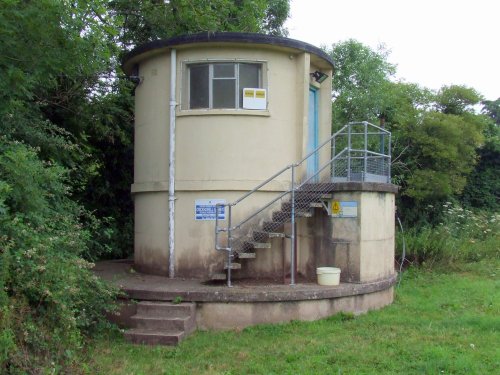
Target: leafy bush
[
  {"x": 49, "y": 298},
  {"x": 462, "y": 235}
]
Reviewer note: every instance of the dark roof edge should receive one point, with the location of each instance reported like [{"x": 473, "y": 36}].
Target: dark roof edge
[{"x": 227, "y": 37}]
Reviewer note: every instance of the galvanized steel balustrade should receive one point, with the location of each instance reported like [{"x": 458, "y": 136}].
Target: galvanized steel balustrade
[{"x": 359, "y": 151}]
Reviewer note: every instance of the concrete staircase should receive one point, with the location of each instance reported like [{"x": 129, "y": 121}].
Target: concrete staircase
[
  {"x": 161, "y": 323},
  {"x": 307, "y": 198}
]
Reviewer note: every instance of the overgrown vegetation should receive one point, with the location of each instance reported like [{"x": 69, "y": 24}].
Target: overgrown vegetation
[
  {"x": 440, "y": 323},
  {"x": 462, "y": 236},
  {"x": 48, "y": 295},
  {"x": 66, "y": 124},
  {"x": 66, "y": 136}
]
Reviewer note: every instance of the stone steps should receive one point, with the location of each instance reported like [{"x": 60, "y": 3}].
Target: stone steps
[
  {"x": 307, "y": 198},
  {"x": 161, "y": 323}
]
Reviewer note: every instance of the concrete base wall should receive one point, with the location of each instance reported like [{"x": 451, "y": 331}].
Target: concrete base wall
[
  {"x": 362, "y": 247},
  {"x": 237, "y": 315},
  {"x": 240, "y": 315}
]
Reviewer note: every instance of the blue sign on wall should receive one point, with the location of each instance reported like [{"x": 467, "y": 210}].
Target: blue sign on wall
[{"x": 204, "y": 209}]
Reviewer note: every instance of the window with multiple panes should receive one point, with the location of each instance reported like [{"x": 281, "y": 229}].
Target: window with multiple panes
[{"x": 220, "y": 85}]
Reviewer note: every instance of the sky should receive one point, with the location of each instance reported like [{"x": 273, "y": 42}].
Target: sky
[{"x": 432, "y": 42}]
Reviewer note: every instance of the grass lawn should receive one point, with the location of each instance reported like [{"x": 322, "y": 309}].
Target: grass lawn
[{"x": 440, "y": 323}]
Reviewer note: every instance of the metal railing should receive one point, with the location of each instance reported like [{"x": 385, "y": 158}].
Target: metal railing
[{"x": 354, "y": 162}]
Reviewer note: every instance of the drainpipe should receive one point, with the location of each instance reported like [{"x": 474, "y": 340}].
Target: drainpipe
[{"x": 171, "y": 167}]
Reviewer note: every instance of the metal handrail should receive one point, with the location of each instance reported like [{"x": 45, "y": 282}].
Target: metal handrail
[
  {"x": 295, "y": 187},
  {"x": 250, "y": 217}
]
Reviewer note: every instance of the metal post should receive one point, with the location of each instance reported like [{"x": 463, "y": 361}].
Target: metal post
[
  {"x": 365, "y": 167},
  {"x": 389, "y": 161},
  {"x": 292, "y": 238},
  {"x": 229, "y": 245},
  {"x": 349, "y": 152},
  {"x": 333, "y": 158}
]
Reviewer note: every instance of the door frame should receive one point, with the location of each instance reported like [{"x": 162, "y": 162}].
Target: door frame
[{"x": 313, "y": 132}]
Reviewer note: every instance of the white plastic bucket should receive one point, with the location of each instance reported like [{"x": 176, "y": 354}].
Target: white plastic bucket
[{"x": 328, "y": 275}]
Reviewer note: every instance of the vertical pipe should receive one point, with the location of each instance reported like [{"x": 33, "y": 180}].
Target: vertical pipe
[
  {"x": 229, "y": 245},
  {"x": 171, "y": 167},
  {"x": 292, "y": 245}
]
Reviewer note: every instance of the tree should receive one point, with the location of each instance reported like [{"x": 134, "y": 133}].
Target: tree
[
  {"x": 360, "y": 82},
  {"x": 53, "y": 58},
  {"x": 66, "y": 157},
  {"x": 435, "y": 135},
  {"x": 153, "y": 19},
  {"x": 483, "y": 186}
]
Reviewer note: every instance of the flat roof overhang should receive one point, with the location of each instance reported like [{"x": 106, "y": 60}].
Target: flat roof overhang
[{"x": 206, "y": 39}]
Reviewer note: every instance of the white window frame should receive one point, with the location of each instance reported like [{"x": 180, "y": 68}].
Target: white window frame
[{"x": 186, "y": 83}]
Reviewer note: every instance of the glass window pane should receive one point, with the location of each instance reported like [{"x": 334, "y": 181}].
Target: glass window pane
[
  {"x": 224, "y": 91},
  {"x": 198, "y": 86},
  {"x": 223, "y": 70},
  {"x": 249, "y": 78}
]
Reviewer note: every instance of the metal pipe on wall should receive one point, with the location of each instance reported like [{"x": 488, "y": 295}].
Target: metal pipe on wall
[{"x": 171, "y": 166}]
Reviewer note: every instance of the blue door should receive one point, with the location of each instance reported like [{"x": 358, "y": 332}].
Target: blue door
[{"x": 312, "y": 134}]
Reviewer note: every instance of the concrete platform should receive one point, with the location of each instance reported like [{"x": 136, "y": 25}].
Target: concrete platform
[{"x": 248, "y": 302}]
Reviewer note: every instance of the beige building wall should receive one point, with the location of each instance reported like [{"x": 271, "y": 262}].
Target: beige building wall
[
  {"x": 219, "y": 153},
  {"x": 363, "y": 247}
]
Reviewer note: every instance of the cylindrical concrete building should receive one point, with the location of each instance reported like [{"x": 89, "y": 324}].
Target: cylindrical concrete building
[{"x": 246, "y": 105}]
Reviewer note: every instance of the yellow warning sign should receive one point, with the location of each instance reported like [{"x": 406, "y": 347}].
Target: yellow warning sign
[
  {"x": 249, "y": 93},
  {"x": 260, "y": 94},
  {"x": 335, "y": 208}
]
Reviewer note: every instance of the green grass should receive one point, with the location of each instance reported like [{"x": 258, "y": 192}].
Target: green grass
[{"x": 441, "y": 322}]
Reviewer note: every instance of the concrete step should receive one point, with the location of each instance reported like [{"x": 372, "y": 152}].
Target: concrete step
[
  {"x": 184, "y": 324},
  {"x": 153, "y": 337},
  {"x": 259, "y": 245},
  {"x": 316, "y": 205},
  {"x": 261, "y": 236},
  {"x": 166, "y": 309},
  {"x": 218, "y": 276},
  {"x": 287, "y": 206},
  {"x": 234, "y": 266},
  {"x": 303, "y": 196},
  {"x": 285, "y": 217},
  {"x": 272, "y": 226},
  {"x": 246, "y": 256},
  {"x": 317, "y": 187}
]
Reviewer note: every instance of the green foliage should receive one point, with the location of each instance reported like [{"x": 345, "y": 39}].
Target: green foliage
[
  {"x": 457, "y": 100},
  {"x": 150, "y": 20},
  {"x": 437, "y": 137},
  {"x": 462, "y": 235},
  {"x": 491, "y": 108},
  {"x": 359, "y": 82},
  {"x": 483, "y": 185},
  {"x": 177, "y": 300},
  {"x": 442, "y": 153},
  {"x": 49, "y": 296}
]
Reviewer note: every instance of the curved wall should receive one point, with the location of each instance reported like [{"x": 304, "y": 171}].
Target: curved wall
[{"x": 219, "y": 153}]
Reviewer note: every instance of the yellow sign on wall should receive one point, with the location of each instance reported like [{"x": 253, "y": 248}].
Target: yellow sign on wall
[
  {"x": 254, "y": 98},
  {"x": 343, "y": 208},
  {"x": 335, "y": 207}
]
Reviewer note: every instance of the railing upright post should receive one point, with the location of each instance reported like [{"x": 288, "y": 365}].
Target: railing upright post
[
  {"x": 348, "y": 152},
  {"x": 292, "y": 237},
  {"x": 389, "y": 157},
  {"x": 229, "y": 245},
  {"x": 365, "y": 166},
  {"x": 333, "y": 157},
  {"x": 216, "y": 226}
]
